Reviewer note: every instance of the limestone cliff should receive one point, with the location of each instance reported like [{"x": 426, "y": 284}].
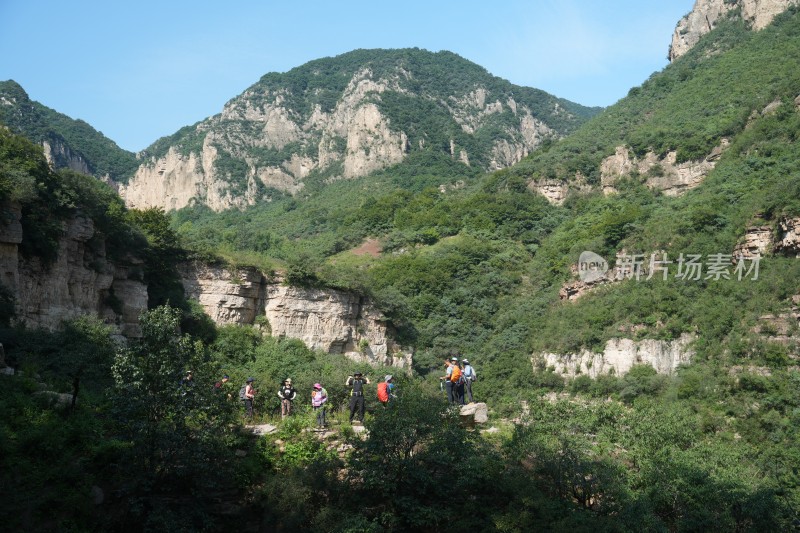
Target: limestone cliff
[
  {"x": 330, "y": 320},
  {"x": 59, "y": 155},
  {"x": 663, "y": 174},
  {"x": 619, "y": 356},
  {"x": 345, "y": 117},
  {"x": 80, "y": 281},
  {"x": 707, "y": 13}
]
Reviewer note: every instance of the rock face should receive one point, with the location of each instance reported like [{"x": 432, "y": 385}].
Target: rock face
[
  {"x": 620, "y": 355},
  {"x": 663, "y": 174},
  {"x": 789, "y": 236},
  {"x": 756, "y": 242},
  {"x": 330, "y": 320},
  {"x": 760, "y": 238},
  {"x": 227, "y": 296},
  {"x": 707, "y": 13},
  {"x": 81, "y": 280},
  {"x": 59, "y": 155},
  {"x": 335, "y": 322},
  {"x": 279, "y": 131}
]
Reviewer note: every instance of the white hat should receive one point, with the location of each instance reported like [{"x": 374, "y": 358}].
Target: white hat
[{"x": 388, "y": 377}]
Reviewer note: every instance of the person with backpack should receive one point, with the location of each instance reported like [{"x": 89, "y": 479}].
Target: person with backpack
[
  {"x": 287, "y": 394},
  {"x": 318, "y": 398},
  {"x": 247, "y": 394},
  {"x": 448, "y": 384},
  {"x": 357, "y": 382},
  {"x": 469, "y": 377},
  {"x": 385, "y": 391},
  {"x": 451, "y": 379},
  {"x": 457, "y": 378}
]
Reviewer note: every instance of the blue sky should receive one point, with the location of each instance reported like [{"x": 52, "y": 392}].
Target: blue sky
[{"x": 138, "y": 71}]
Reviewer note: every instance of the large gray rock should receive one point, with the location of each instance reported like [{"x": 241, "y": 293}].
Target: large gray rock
[
  {"x": 477, "y": 413},
  {"x": 58, "y": 399}
]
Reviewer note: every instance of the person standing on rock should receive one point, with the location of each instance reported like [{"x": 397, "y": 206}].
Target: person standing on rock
[
  {"x": 287, "y": 394},
  {"x": 357, "y": 382},
  {"x": 469, "y": 377},
  {"x": 454, "y": 382},
  {"x": 457, "y": 377},
  {"x": 318, "y": 398}
]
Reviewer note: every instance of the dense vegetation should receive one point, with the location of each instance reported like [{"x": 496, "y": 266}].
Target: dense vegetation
[
  {"x": 42, "y": 124},
  {"x": 471, "y": 264}
]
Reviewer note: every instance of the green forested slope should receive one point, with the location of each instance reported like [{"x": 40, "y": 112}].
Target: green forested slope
[
  {"x": 39, "y": 123},
  {"x": 688, "y": 107},
  {"x": 479, "y": 269},
  {"x": 476, "y": 267}
]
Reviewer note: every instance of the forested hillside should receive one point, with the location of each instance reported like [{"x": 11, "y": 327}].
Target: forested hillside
[
  {"x": 469, "y": 263},
  {"x": 73, "y": 143},
  {"x": 347, "y": 117}
]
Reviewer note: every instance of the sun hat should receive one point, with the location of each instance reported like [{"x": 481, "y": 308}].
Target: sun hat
[
  {"x": 388, "y": 377},
  {"x": 317, "y": 386}
]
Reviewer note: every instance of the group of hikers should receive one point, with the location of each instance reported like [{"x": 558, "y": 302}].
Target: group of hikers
[
  {"x": 287, "y": 394},
  {"x": 457, "y": 381}
]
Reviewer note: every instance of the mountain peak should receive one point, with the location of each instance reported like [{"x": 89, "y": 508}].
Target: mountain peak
[
  {"x": 706, "y": 14},
  {"x": 344, "y": 117}
]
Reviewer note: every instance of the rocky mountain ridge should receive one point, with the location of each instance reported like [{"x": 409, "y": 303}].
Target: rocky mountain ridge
[
  {"x": 345, "y": 117},
  {"x": 707, "y": 13}
]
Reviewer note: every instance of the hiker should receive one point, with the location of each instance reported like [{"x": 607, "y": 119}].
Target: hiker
[
  {"x": 357, "y": 382},
  {"x": 457, "y": 377},
  {"x": 286, "y": 393},
  {"x": 385, "y": 391},
  {"x": 221, "y": 383},
  {"x": 318, "y": 398},
  {"x": 454, "y": 381},
  {"x": 248, "y": 395},
  {"x": 469, "y": 377},
  {"x": 220, "y": 386},
  {"x": 448, "y": 384},
  {"x": 187, "y": 383}
]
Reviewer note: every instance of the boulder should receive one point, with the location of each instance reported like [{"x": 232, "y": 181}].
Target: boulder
[{"x": 474, "y": 413}]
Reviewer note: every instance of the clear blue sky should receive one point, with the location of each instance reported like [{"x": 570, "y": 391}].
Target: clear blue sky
[{"x": 141, "y": 70}]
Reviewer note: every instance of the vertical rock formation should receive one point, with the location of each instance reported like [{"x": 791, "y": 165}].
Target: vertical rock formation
[
  {"x": 619, "y": 356},
  {"x": 80, "y": 281},
  {"x": 324, "y": 319},
  {"x": 707, "y": 13}
]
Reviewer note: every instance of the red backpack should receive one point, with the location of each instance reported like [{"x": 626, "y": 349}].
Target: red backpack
[{"x": 383, "y": 392}]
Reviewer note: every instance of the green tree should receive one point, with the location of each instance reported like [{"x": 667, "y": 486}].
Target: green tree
[
  {"x": 176, "y": 428},
  {"x": 87, "y": 350}
]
